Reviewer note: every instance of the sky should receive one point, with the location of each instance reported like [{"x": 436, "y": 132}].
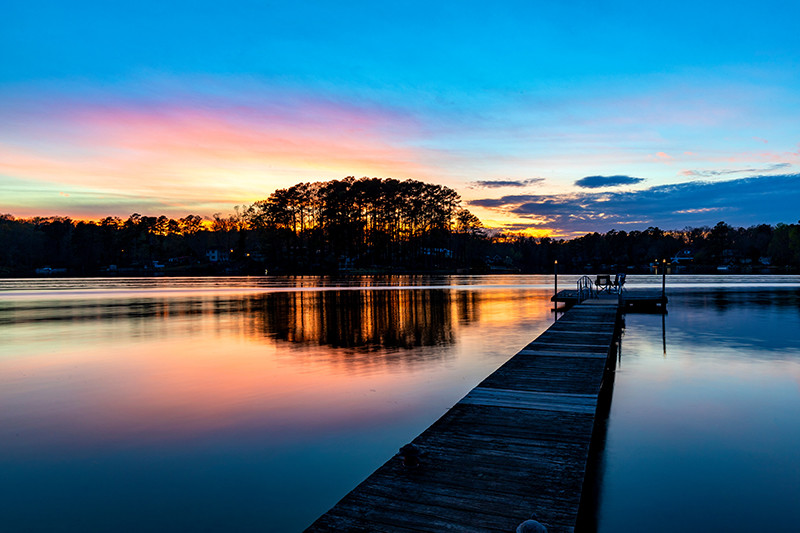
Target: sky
[{"x": 552, "y": 118}]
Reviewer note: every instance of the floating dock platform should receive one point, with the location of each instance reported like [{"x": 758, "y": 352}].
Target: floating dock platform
[
  {"x": 517, "y": 445},
  {"x": 629, "y": 299}
]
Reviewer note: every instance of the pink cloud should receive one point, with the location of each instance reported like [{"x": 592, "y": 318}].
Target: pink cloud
[{"x": 194, "y": 153}]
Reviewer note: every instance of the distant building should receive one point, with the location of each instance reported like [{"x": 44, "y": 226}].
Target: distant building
[
  {"x": 218, "y": 255},
  {"x": 439, "y": 252},
  {"x": 47, "y": 271},
  {"x": 683, "y": 257}
]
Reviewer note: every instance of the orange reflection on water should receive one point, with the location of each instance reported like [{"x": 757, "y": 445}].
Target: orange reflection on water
[{"x": 95, "y": 373}]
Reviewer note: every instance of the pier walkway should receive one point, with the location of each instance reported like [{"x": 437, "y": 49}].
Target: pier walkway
[{"x": 515, "y": 446}]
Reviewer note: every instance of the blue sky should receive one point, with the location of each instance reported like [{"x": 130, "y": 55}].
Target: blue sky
[{"x": 178, "y": 107}]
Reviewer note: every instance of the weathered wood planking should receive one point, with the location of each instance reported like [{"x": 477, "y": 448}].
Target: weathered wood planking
[{"x": 516, "y": 445}]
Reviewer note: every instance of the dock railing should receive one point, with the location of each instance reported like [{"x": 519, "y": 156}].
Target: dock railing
[{"x": 585, "y": 288}]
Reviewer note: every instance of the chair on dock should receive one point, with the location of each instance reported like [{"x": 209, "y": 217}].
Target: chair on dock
[
  {"x": 603, "y": 282},
  {"x": 615, "y": 287},
  {"x": 619, "y": 282}
]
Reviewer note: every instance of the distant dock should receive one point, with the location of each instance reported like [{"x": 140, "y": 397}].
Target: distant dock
[
  {"x": 629, "y": 299},
  {"x": 517, "y": 445}
]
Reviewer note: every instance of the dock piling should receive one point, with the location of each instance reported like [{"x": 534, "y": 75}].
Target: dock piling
[{"x": 555, "y": 290}]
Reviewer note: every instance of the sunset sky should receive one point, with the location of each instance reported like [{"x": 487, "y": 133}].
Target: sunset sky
[{"x": 560, "y": 117}]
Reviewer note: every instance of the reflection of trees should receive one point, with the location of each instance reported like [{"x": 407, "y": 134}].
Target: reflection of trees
[
  {"x": 752, "y": 324},
  {"x": 723, "y": 299},
  {"x": 363, "y": 319}
]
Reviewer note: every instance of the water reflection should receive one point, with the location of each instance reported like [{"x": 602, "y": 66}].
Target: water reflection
[
  {"x": 705, "y": 439},
  {"x": 723, "y": 299},
  {"x": 223, "y": 411},
  {"x": 360, "y": 320},
  {"x": 365, "y": 320},
  {"x": 740, "y": 320},
  {"x": 217, "y": 410}
]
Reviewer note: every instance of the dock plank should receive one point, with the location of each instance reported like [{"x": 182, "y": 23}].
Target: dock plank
[{"x": 516, "y": 444}]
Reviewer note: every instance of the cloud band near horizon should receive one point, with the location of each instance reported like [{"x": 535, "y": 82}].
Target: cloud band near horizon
[{"x": 740, "y": 202}]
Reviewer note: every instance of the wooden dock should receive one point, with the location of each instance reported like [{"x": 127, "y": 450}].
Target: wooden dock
[
  {"x": 515, "y": 446},
  {"x": 629, "y": 299}
]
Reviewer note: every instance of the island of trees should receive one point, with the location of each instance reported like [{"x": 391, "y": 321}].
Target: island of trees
[{"x": 368, "y": 225}]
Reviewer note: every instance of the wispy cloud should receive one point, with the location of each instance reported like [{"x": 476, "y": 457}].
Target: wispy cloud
[
  {"x": 698, "y": 210},
  {"x": 743, "y": 201},
  {"x": 727, "y": 172},
  {"x": 498, "y": 184},
  {"x": 596, "y": 182},
  {"x": 507, "y": 200}
]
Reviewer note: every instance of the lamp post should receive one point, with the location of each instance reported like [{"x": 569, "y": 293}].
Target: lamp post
[
  {"x": 663, "y": 279},
  {"x": 555, "y": 290}
]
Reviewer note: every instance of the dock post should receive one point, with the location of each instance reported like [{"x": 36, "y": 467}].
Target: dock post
[{"x": 555, "y": 289}]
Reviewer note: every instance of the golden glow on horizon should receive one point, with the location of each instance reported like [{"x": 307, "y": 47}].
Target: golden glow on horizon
[{"x": 189, "y": 158}]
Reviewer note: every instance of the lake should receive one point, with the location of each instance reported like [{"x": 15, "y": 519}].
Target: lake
[{"x": 254, "y": 404}]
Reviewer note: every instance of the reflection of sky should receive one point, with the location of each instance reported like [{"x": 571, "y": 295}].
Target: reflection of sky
[
  {"x": 204, "y": 407},
  {"x": 230, "y": 410},
  {"x": 738, "y": 321},
  {"x": 704, "y": 438}
]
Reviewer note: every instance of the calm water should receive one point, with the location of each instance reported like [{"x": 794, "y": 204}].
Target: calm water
[
  {"x": 704, "y": 429},
  {"x": 256, "y": 403}
]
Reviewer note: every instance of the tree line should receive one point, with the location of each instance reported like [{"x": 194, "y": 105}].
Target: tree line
[
  {"x": 364, "y": 223},
  {"x": 758, "y": 248},
  {"x": 367, "y": 225},
  {"x": 338, "y": 225}
]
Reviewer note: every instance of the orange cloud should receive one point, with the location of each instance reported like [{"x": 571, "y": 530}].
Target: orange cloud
[{"x": 185, "y": 155}]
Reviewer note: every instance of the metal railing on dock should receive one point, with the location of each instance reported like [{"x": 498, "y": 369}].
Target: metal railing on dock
[{"x": 585, "y": 288}]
